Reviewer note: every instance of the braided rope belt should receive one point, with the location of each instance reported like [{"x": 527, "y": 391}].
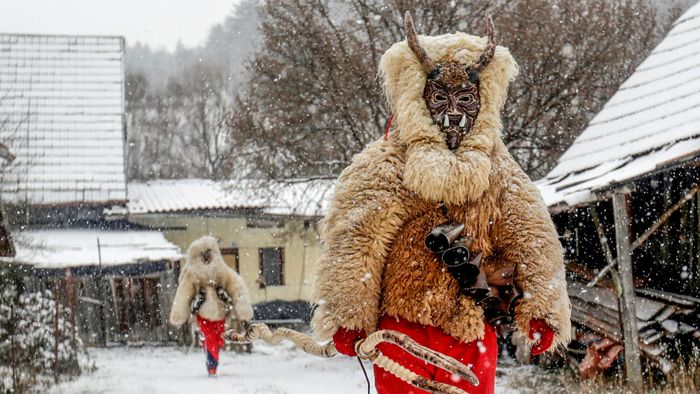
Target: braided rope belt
[{"x": 367, "y": 349}]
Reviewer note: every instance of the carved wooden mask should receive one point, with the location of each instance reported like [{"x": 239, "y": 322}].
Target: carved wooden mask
[
  {"x": 452, "y": 89},
  {"x": 454, "y": 107}
]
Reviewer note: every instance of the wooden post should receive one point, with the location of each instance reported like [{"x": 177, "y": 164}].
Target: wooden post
[
  {"x": 628, "y": 313},
  {"x": 101, "y": 297},
  {"x": 15, "y": 354},
  {"x": 70, "y": 299},
  {"x": 665, "y": 233},
  {"x": 696, "y": 266},
  {"x": 56, "y": 332},
  {"x": 601, "y": 234}
]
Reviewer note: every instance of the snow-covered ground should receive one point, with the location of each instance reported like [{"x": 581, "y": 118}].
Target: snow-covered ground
[{"x": 279, "y": 369}]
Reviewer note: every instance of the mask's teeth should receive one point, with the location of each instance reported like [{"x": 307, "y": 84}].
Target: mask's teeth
[
  {"x": 463, "y": 122},
  {"x": 446, "y": 122}
]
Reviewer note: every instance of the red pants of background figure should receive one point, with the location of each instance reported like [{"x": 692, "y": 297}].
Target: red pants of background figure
[
  {"x": 481, "y": 356},
  {"x": 211, "y": 331}
]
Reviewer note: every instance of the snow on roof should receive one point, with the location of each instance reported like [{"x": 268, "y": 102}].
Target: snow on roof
[
  {"x": 306, "y": 197},
  {"x": 62, "y": 114},
  {"x": 60, "y": 248},
  {"x": 652, "y": 121},
  {"x": 175, "y": 195}
]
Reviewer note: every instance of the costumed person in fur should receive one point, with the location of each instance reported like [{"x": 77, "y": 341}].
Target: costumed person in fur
[
  {"x": 444, "y": 163},
  {"x": 210, "y": 290}
]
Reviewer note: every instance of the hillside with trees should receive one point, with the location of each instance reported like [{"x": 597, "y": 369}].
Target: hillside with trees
[{"x": 261, "y": 99}]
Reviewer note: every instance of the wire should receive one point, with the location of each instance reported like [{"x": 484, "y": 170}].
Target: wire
[{"x": 364, "y": 372}]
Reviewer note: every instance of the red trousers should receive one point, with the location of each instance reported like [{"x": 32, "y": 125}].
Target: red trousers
[
  {"x": 481, "y": 356},
  {"x": 211, "y": 331}
]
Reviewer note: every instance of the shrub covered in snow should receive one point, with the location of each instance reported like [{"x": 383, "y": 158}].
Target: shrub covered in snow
[{"x": 36, "y": 338}]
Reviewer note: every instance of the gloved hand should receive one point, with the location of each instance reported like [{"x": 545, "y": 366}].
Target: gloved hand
[
  {"x": 345, "y": 339},
  {"x": 541, "y": 332}
]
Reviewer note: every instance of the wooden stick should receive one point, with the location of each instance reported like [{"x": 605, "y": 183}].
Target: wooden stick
[
  {"x": 606, "y": 248},
  {"x": 601, "y": 235}
]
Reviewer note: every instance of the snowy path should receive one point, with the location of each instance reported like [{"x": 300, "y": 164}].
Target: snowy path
[{"x": 280, "y": 369}]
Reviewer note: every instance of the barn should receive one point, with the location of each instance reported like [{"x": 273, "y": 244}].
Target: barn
[{"x": 624, "y": 198}]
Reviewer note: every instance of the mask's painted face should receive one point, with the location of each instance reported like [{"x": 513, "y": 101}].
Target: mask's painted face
[
  {"x": 452, "y": 89},
  {"x": 453, "y": 108},
  {"x": 207, "y": 256}
]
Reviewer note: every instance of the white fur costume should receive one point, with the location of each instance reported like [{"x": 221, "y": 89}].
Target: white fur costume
[{"x": 197, "y": 274}]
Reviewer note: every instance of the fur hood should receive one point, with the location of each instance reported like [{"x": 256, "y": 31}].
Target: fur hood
[
  {"x": 215, "y": 271},
  {"x": 432, "y": 170}
]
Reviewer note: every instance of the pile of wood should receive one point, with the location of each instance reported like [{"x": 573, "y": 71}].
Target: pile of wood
[{"x": 668, "y": 325}]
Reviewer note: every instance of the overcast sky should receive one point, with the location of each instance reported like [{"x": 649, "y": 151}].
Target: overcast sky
[{"x": 159, "y": 23}]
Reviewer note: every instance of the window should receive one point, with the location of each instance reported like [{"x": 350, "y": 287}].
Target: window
[
  {"x": 271, "y": 267},
  {"x": 230, "y": 256}
]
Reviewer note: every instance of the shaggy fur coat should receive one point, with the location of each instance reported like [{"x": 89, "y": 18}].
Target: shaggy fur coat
[
  {"x": 374, "y": 262},
  {"x": 196, "y": 274}
]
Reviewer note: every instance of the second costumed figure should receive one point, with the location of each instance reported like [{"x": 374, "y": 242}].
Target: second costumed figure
[
  {"x": 444, "y": 170},
  {"x": 210, "y": 290}
]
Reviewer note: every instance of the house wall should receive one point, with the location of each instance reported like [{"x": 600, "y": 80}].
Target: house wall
[{"x": 300, "y": 243}]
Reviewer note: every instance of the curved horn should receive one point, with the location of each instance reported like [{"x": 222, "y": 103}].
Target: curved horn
[
  {"x": 425, "y": 60},
  {"x": 487, "y": 55}
]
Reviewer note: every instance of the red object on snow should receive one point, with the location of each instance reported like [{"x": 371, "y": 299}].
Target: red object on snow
[
  {"x": 599, "y": 357},
  {"x": 539, "y": 328},
  {"x": 480, "y": 356},
  {"x": 344, "y": 340},
  {"x": 211, "y": 331}
]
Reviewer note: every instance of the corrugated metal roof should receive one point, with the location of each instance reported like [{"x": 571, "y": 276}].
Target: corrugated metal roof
[
  {"x": 176, "y": 195},
  {"x": 651, "y": 121},
  {"x": 78, "y": 247},
  {"x": 62, "y": 114},
  {"x": 306, "y": 197}
]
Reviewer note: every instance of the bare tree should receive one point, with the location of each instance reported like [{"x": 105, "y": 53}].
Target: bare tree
[
  {"x": 313, "y": 100},
  {"x": 180, "y": 132},
  {"x": 11, "y": 142},
  {"x": 572, "y": 60},
  {"x": 150, "y": 132},
  {"x": 201, "y": 103},
  {"x": 177, "y": 103}
]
